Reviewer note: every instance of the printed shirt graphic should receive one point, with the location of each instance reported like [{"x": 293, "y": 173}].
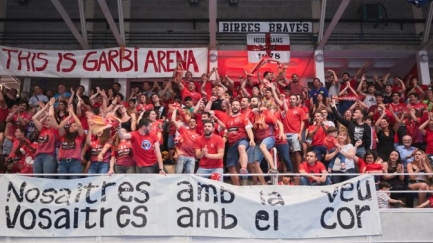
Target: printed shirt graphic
[
  {"x": 263, "y": 124},
  {"x": 123, "y": 154},
  {"x": 47, "y": 140},
  {"x": 96, "y": 148},
  {"x": 143, "y": 148},
  {"x": 71, "y": 150},
  {"x": 235, "y": 126}
]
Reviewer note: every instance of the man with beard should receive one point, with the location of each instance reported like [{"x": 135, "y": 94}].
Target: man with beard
[
  {"x": 239, "y": 128},
  {"x": 209, "y": 149},
  {"x": 263, "y": 122},
  {"x": 293, "y": 122},
  {"x": 296, "y": 88},
  {"x": 145, "y": 145}
]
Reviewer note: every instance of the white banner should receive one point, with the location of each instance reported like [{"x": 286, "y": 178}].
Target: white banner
[
  {"x": 182, "y": 205},
  {"x": 102, "y": 63},
  {"x": 263, "y": 27},
  {"x": 278, "y": 46}
]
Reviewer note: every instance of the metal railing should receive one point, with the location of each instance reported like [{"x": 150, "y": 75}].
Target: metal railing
[{"x": 200, "y": 38}]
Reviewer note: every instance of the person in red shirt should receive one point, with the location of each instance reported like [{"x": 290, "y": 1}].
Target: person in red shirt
[
  {"x": 427, "y": 131},
  {"x": 209, "y": 149},
  {"x": 100, "y": 151},
  {"x": 239, "y": 128},
  {"x": 318, "y": 134},
  {"x": 19, "y": 117},
  {"x": 122, "y": 157},
  {"x": 414, "y": 102},
  {"x": 281, "y": 143},
  {"x": 21, "y": 149},
  {"x": 146, "y": 148},
  {"x": 142, "y": 105},
  {"x": 185, "y": 147},
  {"x": 45, "y": 161},
  {"x": 293, "y": 122},
  {"x": 263, "y": 122},
  {"x": 313, "y": 166},
  {"x": 71, "y": 142},
  {"x": 189, "y": 91}
]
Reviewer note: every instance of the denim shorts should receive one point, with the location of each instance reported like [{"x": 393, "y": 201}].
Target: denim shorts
[
  {"x": 233, "y": 153},
  {"x": 257, "y": 154}
]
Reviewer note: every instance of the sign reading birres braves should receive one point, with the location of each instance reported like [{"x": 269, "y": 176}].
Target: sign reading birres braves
[
  {"x": 276, "y": 46},
  {"x": 184, "y": 205},
  {"x": 263, "y": 27},
  {"x": 102, "y": 63}
]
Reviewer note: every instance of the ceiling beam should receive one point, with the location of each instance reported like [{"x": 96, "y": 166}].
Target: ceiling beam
[
  {"x": 333, "y": 23},
  {"x": 322, "y": 20},
  {"x": 425, "y": 40},
  {"x": 83, "y": 42},
  {"x": 121, "y": 20},
  {"x": 83, "y": 20},
  {"x": 110, "y": 21}
]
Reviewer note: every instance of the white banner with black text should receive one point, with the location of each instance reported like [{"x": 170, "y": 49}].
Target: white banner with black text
[
  {"x": 184, "y": 205},
  {"x": 102, "y": 63}
]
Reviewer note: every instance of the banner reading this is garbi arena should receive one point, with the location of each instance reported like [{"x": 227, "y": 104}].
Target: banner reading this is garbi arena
[
  {"x": 102, "y": 63},
  {"x": 184, "y": 205}
]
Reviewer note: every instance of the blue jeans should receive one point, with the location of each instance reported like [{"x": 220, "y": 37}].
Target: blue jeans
[
  {"x": 185, "y": 165},
  {"x": 339, "y": 156},
  {"x": 305, "y": 182},
  {"x": 69, "y": 166},
  {"x": 233, "y": 153},
  {"x": 257, "y": 153},
  {"x": 99, "y": 167},
  {"x": 44, "y": 164},
  {"x": 210, "y": 171},
  {"x": 283, "y": 151},
  {"x": 360, "y": 152},
  {"x": 319, "y": 150}
]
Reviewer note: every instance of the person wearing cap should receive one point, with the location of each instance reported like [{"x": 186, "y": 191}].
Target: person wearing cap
[{"x": 313, "y": 166}]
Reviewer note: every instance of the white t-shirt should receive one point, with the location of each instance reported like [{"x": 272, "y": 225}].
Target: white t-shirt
[{"x": 350, "y": 164}]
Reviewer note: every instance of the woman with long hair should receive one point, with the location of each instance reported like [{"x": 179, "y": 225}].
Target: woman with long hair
[
  {"x": 45, "y": 161},
  {"x": 391, "y": 167},
  {"x": 71, "y": 142},
  {"x": 100, "y": 150},
  {"x": 385, "y": 135},
  {"x": 416, "y": 169},
  {"x": 344, "y": 153},
  {"x": 122, "y": 161},
  {"x": 61, "y": 111},
  {"x": 127, "y": 120}
]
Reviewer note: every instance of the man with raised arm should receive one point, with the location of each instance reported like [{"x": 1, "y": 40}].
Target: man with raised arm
[{"x": 145, "y": 145}]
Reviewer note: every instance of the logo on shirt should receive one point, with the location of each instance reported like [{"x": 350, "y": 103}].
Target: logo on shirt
[
  {"x": 43, "y": 139},
  {"x": 146, "y": 145}
]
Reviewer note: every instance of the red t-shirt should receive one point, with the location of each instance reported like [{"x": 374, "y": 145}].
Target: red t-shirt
[
  {"x": 222, "y": 115},
  {"x": 188, "y": 140},
  {"x": 95, "y": 150},
  {"x": 292, "y": 120},
  {"x": 398, "y": 109},
  {"x": 71, "y": 150},
  {"x": 156, "y": 128},
  {"x": 143, "y": 147},
  {"x": 144, "y": 107},
  {"x": 25, "y": 158},
  {"x": 419, "y": 107},
  {"x": 263, "y": 124},
  {"x": 195, "y": 96},
  {"x": 428, "y": 140},
  {"x": 319, "y": 136},
  {"x": 317, "y": 168},
  {"x": 214, "y": 143},
  {"x": 47, "y": 140},
  {"x": 352, "y": 82},
  {"x": 235, "y": 126},
  {"x": 15, "y": 122},
  {"x": 123, "y": 154},
  {"x": 4, "y": 111},
  {"x": 330, "y": 142}
]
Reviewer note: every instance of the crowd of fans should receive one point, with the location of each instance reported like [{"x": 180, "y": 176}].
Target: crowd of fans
[{"x": 343, "y": 125}]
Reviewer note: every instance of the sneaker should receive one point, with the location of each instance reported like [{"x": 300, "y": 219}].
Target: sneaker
[
  {"x": 243, "y": 171},
  {"x": 273, "y": 171}
]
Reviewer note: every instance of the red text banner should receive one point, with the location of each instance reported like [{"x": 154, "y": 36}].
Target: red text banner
[{"x": 102, "y": 63}]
